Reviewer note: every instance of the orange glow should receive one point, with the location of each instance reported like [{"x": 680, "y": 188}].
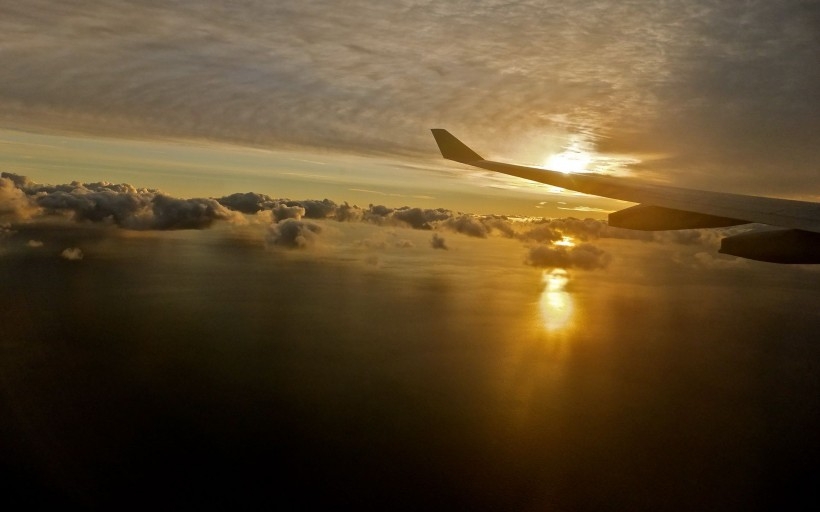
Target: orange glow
[
  {"x": 556, "y": 304},
  {"x": 568, "y": 161},
  {"x": 566, "y": 241}
]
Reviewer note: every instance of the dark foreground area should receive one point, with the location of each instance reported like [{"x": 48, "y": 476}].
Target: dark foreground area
[{"x": 174, "y": 372}]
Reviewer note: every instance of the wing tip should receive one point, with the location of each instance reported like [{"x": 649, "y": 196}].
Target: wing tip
[{"x": 453, "y": 149}]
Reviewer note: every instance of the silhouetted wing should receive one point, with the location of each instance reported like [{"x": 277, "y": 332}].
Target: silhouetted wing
[{"x": 665, "y": 207}]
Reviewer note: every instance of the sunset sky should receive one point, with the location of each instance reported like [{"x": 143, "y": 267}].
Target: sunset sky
[
  {"x": 228, "y": 240},
  {"x": 710, "y": 94}
]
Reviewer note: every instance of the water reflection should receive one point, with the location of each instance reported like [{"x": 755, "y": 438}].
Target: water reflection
[{"x": 556, "y": 304}]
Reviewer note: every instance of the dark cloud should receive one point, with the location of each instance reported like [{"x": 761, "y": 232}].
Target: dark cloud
[
  {"x": 584, "y": 256},
  {"x": 418, "y": 218},
  {"x": 380, "y": 210},
  {"x": 173, "y": 213},
  {"x": 119, "y": 204},
  {"x": 551, "y": 230},
  {"x": 689, "y": 237},
  {"x": 466, "y": 224},
  {"x": 282, "y": 211},
  {"x": 348, "y": 213},
  {"x": 292, "y": 233},
  {"x": 251, "y": 202},
  {"x": 126, "y": 209},
  {"x": 315, "y": 209},
  {"x": 248, "y": 202},
  {"x": 437, "y": 242}
]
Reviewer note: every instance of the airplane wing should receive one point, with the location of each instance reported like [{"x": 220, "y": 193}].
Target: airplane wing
[{"x": 663, "y": 207}]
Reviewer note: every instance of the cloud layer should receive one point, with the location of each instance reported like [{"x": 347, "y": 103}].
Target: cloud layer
[
  {"x": 123, "y": 205},
  {"x": 294, "y": 224}
]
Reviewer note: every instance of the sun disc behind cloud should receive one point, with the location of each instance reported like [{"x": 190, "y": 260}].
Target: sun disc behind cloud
[{"x": 568, "y": 161}]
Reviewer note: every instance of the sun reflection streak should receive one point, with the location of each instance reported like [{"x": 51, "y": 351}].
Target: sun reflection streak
[{"x": 556, "y": 304}]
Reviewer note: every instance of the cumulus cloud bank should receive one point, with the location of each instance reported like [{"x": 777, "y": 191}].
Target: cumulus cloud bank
[
  {"x": 292, "y": 224},
  {"x": 134, "y": 208},
  {"x": 122, "y": 205}
]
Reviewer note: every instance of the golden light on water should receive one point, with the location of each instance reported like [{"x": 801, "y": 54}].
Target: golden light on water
[{"x": 556, "y": 303}]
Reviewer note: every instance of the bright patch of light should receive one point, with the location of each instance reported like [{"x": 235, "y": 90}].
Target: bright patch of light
[
  {"x": 579, "y": 154},
  {"x": 576, "y": 156},
  {"x": 555, "y": 304},
  {"x": 568, "y": 161},
  {"x": 566, "y": 241}
]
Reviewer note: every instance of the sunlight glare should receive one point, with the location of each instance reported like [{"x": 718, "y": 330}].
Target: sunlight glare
[
  {"x": 555, "y": 304},
  {"x": 568, "y": 161},
  {"x": 566, "y": 241}
]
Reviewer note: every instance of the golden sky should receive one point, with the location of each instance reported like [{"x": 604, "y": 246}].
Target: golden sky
[{"x": 706, "y": 93}]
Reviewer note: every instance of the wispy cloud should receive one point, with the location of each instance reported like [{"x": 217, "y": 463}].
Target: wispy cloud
[{"x": 711, "y": 85}]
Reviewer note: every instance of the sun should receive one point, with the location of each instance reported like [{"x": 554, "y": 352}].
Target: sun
[
  {"x": 566, "y": 241},
  {"x": 576, "y": 155},
  {"x": 569, "y": 161}
]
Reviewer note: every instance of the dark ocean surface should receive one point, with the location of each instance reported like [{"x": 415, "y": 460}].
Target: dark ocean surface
[{"x": 181, "y": 370}]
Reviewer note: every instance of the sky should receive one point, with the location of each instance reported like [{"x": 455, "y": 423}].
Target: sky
[
  {"x": 233, "y": 263},
  {"x": 710, "y": 94}
]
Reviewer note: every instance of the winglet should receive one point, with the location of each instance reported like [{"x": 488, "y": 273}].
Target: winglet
[{"x": 453, "y": 149}]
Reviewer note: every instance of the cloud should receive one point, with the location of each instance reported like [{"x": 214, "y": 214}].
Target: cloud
[
  {"x": 418, "y": 218},
  {"x": 293, "y": 234},
  {"x": 466, "y": 224},
  {"x": 5, "y": 230},
  {"x": 14, "y": 203},
  {"x": 315, "y": 209},
  {"x": 34, "y": 244},
  {"x": 708, "y": 85},
  {"x": 718, "y": 261},
  {"x": 172, "y": 213},
  {"x": 703, "y": 237},
  {"x": 437, "y": 242},
  {"x": 72, "y": 254},
  {"x": 128, "y": 207},
  {"x": 584, "y": 256},
  {"x": 283, "y": 211},
  {"x": 248, "y": 202},
  {"x": 119, "y": 204}
]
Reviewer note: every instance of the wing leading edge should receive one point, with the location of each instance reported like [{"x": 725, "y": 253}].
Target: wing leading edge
[{"x": 664, "y": 207}]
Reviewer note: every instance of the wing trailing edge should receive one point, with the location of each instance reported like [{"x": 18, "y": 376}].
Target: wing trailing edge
[{"x": 663, "y": 207}]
